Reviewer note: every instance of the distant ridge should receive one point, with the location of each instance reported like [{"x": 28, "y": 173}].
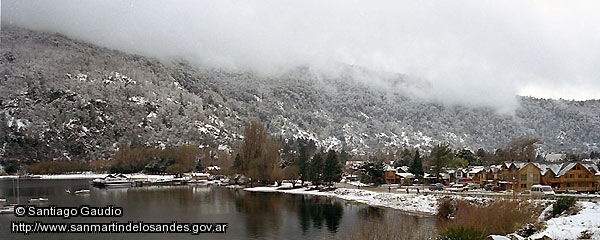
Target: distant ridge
[{"x": 65, "y": 99}]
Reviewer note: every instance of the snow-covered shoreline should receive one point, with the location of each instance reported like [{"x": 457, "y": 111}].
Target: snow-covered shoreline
[
  {"x": 424, "y": 204},
  {"x": 563, "y": 227}
]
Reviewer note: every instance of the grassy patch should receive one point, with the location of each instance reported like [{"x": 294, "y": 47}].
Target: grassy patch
[{"x": 496, "y": 217}]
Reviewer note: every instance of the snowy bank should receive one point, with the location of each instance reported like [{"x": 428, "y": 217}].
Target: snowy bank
[
  {"x": 564, "y": 227},
  {"x": 571, "y": 226},
  {"x": 413, "y": 203}
]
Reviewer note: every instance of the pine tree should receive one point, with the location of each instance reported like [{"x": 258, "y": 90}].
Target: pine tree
[
  {"x": 237, "y": 163},
  {"x": 316, "y": 169},
  {"x": 417, "y": 166},
  {"x": 441, "y": 155},
  {"x": 332, "y": 171},
  {"x": 303, "y": 164}
]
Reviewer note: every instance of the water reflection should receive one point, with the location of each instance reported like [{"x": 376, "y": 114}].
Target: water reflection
[
  {"x": 263, "y": 212},
  {"x": 250, "y": 215},
  {"x": 317, "y": 210},
  {"x": 371, "y": 213}
]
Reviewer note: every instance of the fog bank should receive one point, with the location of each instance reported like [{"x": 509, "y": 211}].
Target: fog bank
[{"x": 478, "y": 53}]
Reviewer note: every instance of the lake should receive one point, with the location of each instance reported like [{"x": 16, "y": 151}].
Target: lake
[{"x": 249, "y": 215}]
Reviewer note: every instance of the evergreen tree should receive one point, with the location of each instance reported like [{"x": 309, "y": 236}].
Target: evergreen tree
[
  {"x": 316, "y": 169},
  {"x": 417, "y": 166},
  {"x": 303, "y": 164},
  {"x": 237, "y": 163},
  {"x": 469, "y": 156},
  {"x": 406, "y": 157},
  {"x": 372, "y": 172},
  {"x": 441, "y": 155},
  {"x": 332, "y": 170}
]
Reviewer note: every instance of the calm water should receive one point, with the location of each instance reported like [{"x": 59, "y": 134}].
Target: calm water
[{"x": 249, "y": 215}]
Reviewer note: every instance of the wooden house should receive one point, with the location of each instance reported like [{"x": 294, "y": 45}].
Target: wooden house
[
  {"x": 577, "y": 176},
  {"x": 509, "y": 172},
  {"x": 528, "y": 175}
]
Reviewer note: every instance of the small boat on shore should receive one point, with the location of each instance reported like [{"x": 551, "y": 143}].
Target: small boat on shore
[
  {"x": 38, "y": 200},
  {"x": 10, "y": 209},
  {"x": 82, "y": 192},
  {"x": 162, "y": 182},
  {"x": 29, "y": 176}
]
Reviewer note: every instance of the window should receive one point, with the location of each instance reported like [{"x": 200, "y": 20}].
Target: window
[
  {"x": 536, "y": 177},
  {"x": 523, "y": 185},
  {"x": 584, "y": 184},
  {"x": 524, "y": 177}
]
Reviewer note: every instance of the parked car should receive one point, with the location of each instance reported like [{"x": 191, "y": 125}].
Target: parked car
[
  {"x": 496, "y": 189},
  {"x": 457, "y": 188},
  {"x": 472, "y": 186},
  {"x": 542, "y": 191},
  {"x": 436, "y": 186}
]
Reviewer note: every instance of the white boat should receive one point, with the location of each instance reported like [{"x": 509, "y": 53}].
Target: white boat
[
  {"x": 38, "y": 200},
  {"x": 202, "y": 182},
  {"x": 162, "y": 182},
  {"x": 82, "y": 191},
  {"x": 118, "y": 183},
  {"x": 10, "y": 209},
  {"x": 117, "y": 180}
]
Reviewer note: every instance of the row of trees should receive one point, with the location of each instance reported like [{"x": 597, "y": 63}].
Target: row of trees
[
  {"x": 260, "y": 160},
  {"x": 58, "y": 167},
  {"x": 130, "y": 160}
]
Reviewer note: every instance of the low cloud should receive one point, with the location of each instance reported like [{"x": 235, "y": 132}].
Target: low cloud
[{"x": 477, "y": 53}]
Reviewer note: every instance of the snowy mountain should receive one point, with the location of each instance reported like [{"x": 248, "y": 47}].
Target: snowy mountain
[{"x": 65, "y": 99}]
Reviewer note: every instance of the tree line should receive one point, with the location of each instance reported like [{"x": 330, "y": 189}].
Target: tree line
[
  {"x": 261, "y": 160},
  {"x": 264, "y": 159}
]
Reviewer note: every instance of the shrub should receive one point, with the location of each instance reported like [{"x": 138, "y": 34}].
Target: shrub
[
  {"x": 464, "y": 233},
  {"x": 55, "y": 167},
  {"x": 585, "y": 235},
  {"x": 528, "y": 230},
  {"x": 562, "y": 205},
  {"x": 496, "y": 217},
  {"x": 446, "y": 208}
]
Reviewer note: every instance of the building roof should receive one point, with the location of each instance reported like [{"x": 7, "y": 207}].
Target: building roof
[{"x": 405, "y": 175}]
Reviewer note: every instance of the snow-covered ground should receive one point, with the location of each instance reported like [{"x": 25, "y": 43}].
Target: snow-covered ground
[
  {"x": 570, "y": 227},
  {"x": 564, "y": 227},
  {"x": 412, "y": 202}
]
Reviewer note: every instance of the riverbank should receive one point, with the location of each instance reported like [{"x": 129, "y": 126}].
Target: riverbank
[
  {"x": 415, "y": 203},
  {"x": 563, "y": 227}
]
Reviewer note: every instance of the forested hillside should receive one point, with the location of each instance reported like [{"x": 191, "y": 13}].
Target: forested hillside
[{"x": 65, "y": 99}]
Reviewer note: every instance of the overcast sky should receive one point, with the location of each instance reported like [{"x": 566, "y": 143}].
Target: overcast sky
[{"x": 482, "y": 52}]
